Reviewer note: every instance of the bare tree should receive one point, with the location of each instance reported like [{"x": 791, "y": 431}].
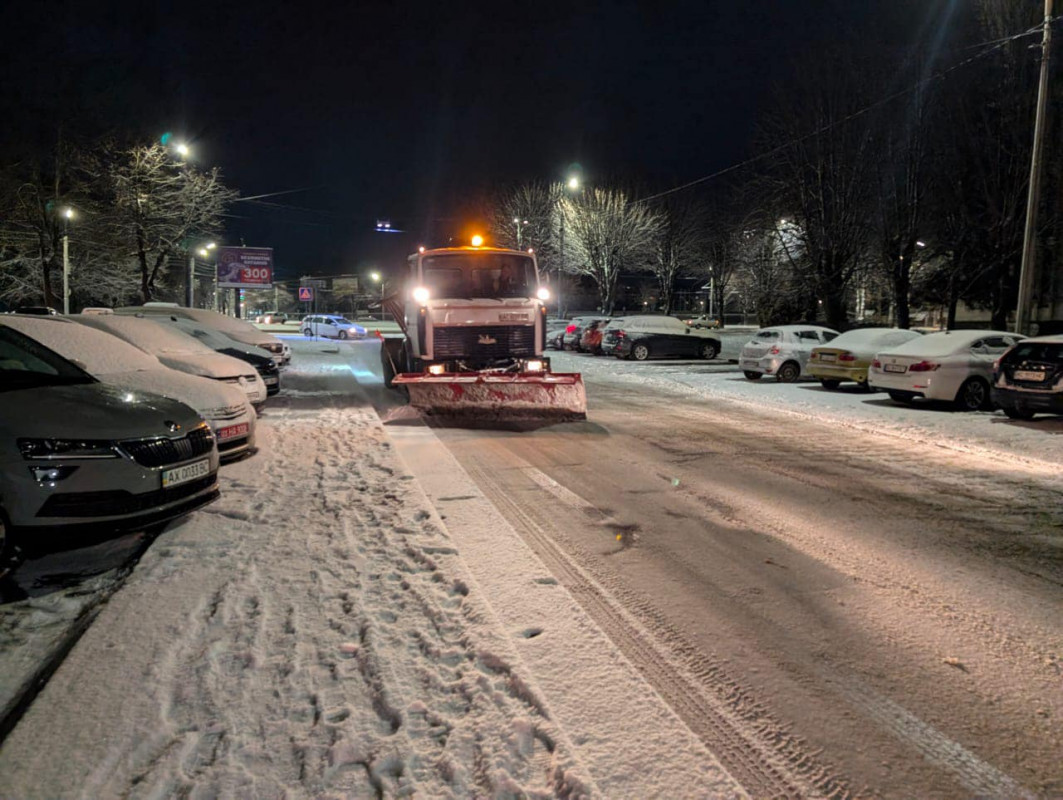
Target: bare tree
[
  {"x": 161, "y": 207},
  {"x": 765, "y": 273},
  {"x": 607, "y": 233},
  {"x": 680, "y": 246},
  {"x": 822, "y": 173},
  {"x": 531, "y": 209}
]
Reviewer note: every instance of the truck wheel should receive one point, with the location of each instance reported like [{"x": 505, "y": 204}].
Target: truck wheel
[{"x": 392, "y": 359}]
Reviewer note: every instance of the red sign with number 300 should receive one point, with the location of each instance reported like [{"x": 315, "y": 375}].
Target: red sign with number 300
[{"x": 245, "y": 267}]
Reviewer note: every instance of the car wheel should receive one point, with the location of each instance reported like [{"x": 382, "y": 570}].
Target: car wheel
[
  {"x": 10, "y": 555},
  {"x": 788, "y": 372},
  {"x": 903, "y": 398},
  {"x": 640, "y": 352},
  {"x": 343, "y": 334},
  {"x": 973, "y": 395},
  {"x": 830, "y": 383},
  {"x": 307, "y": 332},
  {"x": 1014, "y": 412},
  {"x": 710, "y": 350},
  {"x": 751, "y": 376}
]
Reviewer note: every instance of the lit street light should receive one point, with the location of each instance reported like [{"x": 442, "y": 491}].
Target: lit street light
[
  {"x": 572, "y": 185},
  {"x": 182, "y": 150},
  {"x": 68, "y": 214},
  {"x": 203, "y": 252},
  {"x": 378, "y": 278},
  {"x": 521, "y": 224}
]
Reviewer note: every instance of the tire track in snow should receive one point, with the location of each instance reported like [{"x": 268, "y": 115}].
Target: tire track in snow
[{"x": 764, "y": 760}]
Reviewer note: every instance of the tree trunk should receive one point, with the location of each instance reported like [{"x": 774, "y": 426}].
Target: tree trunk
[
  {"x": 901, "y": 289},
  {"x": 834, "y": 309}
]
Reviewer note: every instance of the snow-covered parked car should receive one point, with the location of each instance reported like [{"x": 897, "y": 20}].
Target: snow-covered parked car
[
  {"x": 659, "y": 336},
  {"x": 848, "y": 357},
  {"x": 112, "y": 361},
  {"x": 180, "y": 351},
  {"x": 239, "y": 329},
  {"x": 264, "y": 364},
  {"x": 330, "y": 326},
  {"x": 76, "y": 453},
  {"x": 1029, "y": 378},
  {"x": 950, "y": 366},
  {"x": 782, "y": 351}
]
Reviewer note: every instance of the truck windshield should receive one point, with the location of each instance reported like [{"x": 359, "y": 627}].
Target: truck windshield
[{"x": 479, "y": 275}]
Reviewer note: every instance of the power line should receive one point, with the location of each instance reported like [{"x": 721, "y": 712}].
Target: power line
[{"x": 990, "y": 46}]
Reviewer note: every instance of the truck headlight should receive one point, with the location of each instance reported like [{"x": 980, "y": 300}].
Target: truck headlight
[
  {"x": 33, "y": 449},
  {"x": 535, "y": 366},
  {"x": 421, "y": 294},
  {"x": 543, "y": 293}
]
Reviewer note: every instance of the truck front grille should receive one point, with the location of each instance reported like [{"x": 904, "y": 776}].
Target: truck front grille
[{"x": 483, "y": 341}]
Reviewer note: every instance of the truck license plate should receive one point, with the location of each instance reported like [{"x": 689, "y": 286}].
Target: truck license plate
[
  {"x": 189, "y": 472},
  {"x": 232, "y": 432}
]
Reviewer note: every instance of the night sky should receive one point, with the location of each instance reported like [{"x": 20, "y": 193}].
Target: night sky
[{"x": 411, "y": 111}]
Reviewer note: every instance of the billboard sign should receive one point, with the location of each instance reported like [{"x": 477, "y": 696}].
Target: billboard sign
[{"x": 245, "y": 267}]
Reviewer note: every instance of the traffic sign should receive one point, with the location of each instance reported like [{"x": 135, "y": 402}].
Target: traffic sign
[{"x": 306, "y": 294}]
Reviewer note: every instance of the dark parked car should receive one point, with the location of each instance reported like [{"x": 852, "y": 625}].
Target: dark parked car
[
  {"x": 1028, "y": 378},
  {"x": 654, "y": 336}
]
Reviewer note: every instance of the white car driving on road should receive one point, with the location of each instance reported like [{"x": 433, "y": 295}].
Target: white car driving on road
[{"x": 331, "y": 327}]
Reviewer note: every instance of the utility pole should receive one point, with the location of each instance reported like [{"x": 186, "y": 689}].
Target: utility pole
[
  {"x": 1029, "y": 239},
  {"x": 561, "y": 266},
  {"x": 190, "y": 292}
]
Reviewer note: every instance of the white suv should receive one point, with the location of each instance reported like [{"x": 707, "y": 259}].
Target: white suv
[{"x": 332, "y": 327}]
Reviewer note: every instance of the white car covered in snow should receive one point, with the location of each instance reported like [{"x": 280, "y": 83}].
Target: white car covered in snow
[
  {"x": 181, "y": 352},
  {"x": 239, "y": 329},
  {"x": 111, "y": 360},
  {"x": 782, "y": 351},
  {"x": 950, "y": 366}
]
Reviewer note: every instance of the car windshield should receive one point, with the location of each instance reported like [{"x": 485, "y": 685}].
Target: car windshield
[
  {"x": 479, "y": 275},
  {"x": 25, "y": 363}
]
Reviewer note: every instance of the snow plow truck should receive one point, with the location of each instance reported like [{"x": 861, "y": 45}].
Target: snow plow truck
[{"x": 473, "y": 321}]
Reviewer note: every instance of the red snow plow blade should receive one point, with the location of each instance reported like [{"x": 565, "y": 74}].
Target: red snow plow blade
[{"x": 510, "y": 395}]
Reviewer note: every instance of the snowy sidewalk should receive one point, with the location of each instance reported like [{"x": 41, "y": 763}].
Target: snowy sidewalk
[{"x": 315, "y": 633}]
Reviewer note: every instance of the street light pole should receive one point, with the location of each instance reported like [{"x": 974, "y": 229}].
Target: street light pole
[
  {"x": 1029, "y": 239},
  {"x": 68, "y": 213},
  {"x": 190, "y": 292}
]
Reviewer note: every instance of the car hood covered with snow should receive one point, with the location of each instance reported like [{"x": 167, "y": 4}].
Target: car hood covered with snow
[
  {"x": 93, "y": 410},
  {"x": 212, "y": 365},
  {"x": 207, "y": 397}
]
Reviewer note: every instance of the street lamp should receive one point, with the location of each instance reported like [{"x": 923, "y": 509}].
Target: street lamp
[
  {"x": 182, "y": 150},
  {"x": 378, "y": 278},
  {"x": 68, "y": 214},
  {"x": 204, "y": 252},
  {"x": 573, "y": 186},
  {"x": 521, "y": 224}
]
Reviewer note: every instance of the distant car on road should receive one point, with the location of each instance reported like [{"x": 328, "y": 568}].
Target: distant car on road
[
  {"x": 113, "y": 361},
  {"x": 44, "y": 311},
  {"x": 782, "y": 351},
  {"x": 78, "y": 454},
  {"x": 1028, "y": 378},
  {"x": 952, "y": 366},
  {"x": 272, "y": 318},
  {"x": 331, "y": 327},
  {"x": 848, "y": 357},
  {"x": 659, "y": 336},
  {"x": 701, "y": 321}
]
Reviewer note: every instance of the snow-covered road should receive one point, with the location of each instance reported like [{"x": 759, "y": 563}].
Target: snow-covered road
[{"x": 319, "y": 633}]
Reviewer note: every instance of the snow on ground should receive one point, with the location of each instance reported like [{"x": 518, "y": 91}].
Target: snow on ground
[
  {"x": 986, "y": 433},
  {"x": 314, "y": 633}
]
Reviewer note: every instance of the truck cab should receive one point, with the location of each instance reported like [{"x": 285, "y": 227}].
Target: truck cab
[{"x": 474, "y": 308}]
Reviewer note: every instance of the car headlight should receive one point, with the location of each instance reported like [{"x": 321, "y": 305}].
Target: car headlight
[{"x": 34, "y": 449}]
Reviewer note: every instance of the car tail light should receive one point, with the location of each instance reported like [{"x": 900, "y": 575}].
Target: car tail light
[
  {"x": 876, "y": 364},
  {"x": 570, "y": 329},
  {"x": 846, "y": 357},
  {"x": 621, "y": 335},
  {"x": 924, "y": 366},
  {"x": 774, "y": 350}
]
